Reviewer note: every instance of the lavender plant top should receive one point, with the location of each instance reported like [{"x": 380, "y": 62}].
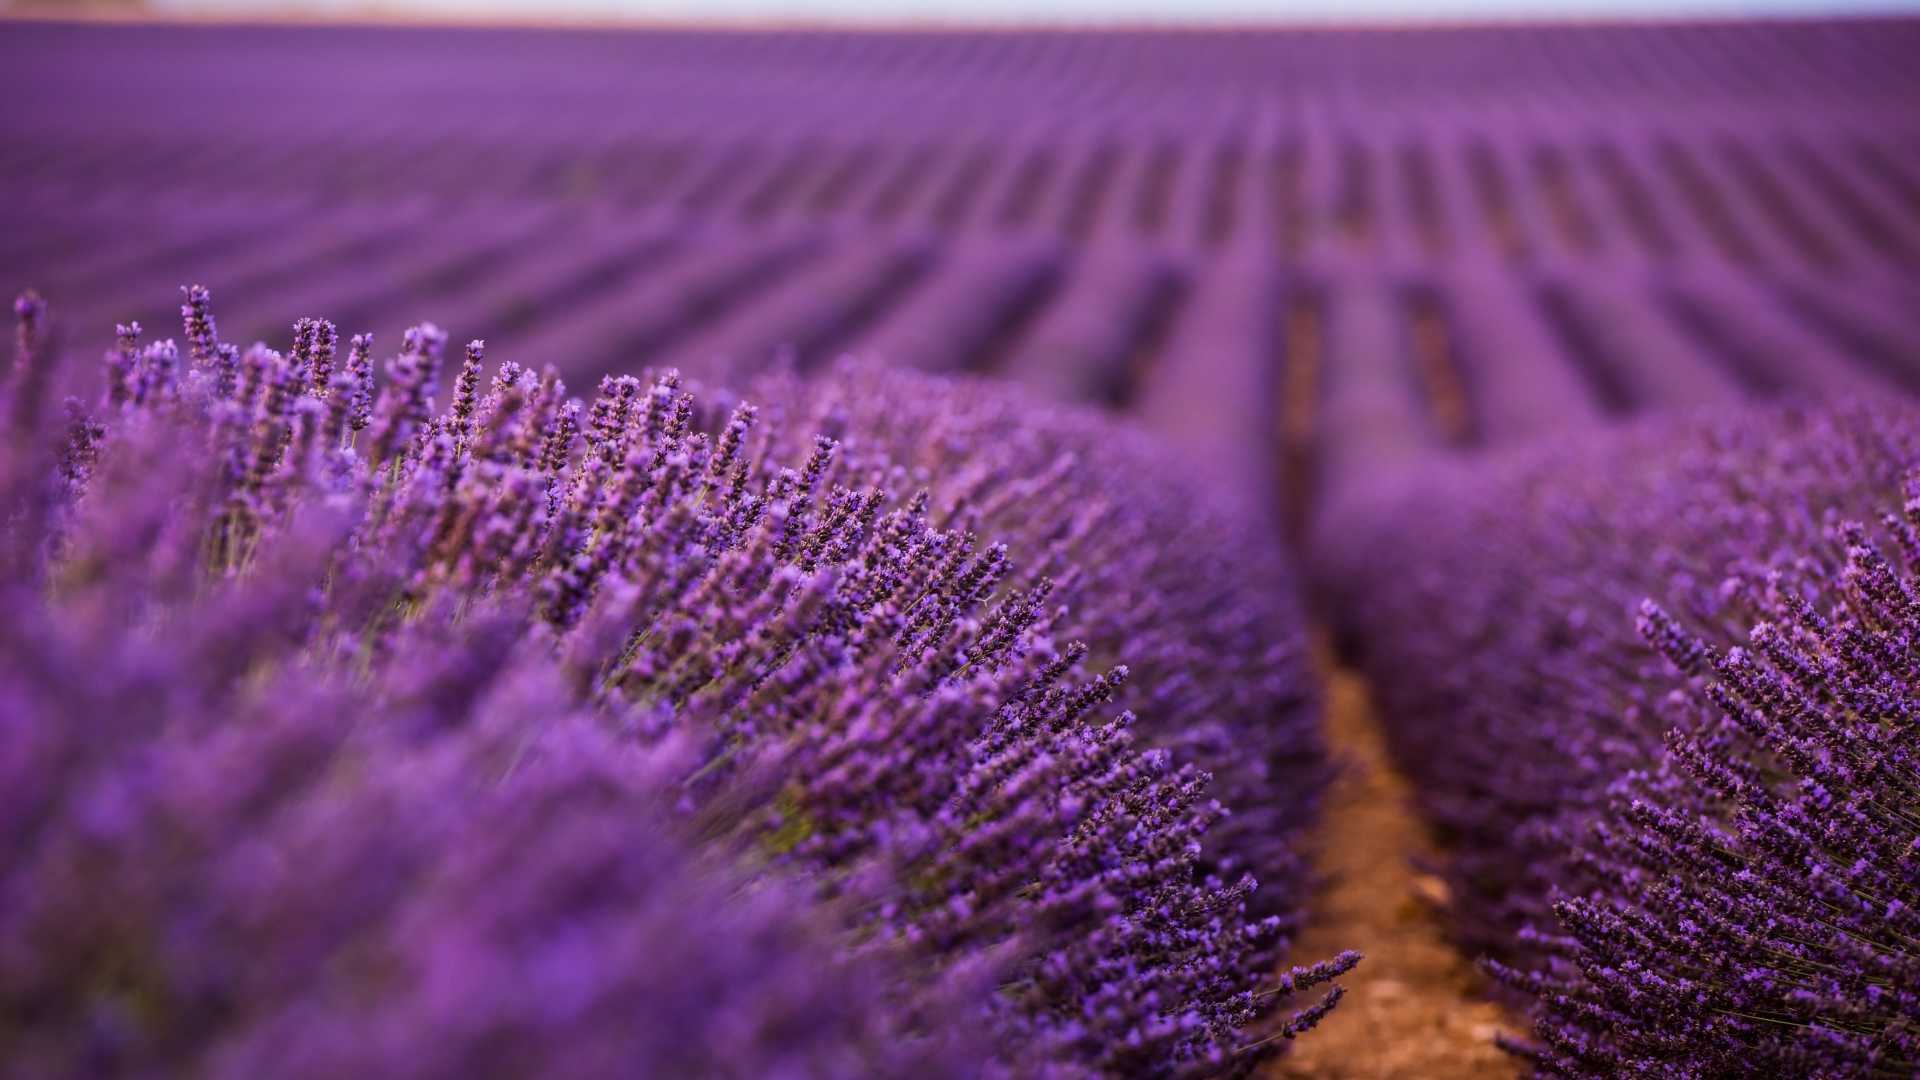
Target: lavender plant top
[
  {"x": 1701, "y": 879},
  {"x": 359, "y": 733}
]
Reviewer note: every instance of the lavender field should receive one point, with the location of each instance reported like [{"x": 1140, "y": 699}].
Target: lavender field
[{"x": 857, "y": 553}]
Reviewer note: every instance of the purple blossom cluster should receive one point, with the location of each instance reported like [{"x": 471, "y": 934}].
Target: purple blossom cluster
[
  {"x": 356, "y": 732},
  {"x": 1655, "y": 690}
]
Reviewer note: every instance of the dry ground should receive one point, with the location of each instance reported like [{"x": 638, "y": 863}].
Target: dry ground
[{"x": 1415, "y": 1006}]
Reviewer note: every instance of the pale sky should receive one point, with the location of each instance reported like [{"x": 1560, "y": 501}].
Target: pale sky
[{"x": 1048, "y": 11}]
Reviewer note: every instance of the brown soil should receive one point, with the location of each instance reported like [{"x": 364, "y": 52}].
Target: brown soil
[{"x": 1415, "y": 1007}]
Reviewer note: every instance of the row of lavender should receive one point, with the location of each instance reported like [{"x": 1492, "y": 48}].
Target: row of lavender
[
  {"x": 537, "y": 266},
  {"x": 1658, "y": 693},
  {"x": 478, "y": 78},
  {"x": 1735, "y": 186},
  {"x": 1376, "y": 366},
  {"x": 1380, "y": 279},
  {"x": 667, "y": 735}
]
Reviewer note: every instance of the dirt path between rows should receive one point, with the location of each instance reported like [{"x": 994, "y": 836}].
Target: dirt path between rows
[{"x": 1415, "y": 1006}]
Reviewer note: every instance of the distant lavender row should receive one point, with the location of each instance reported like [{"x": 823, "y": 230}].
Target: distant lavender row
[
  {"x": 1383, "y": 371},
  {"x": 1732, "y": 187},
  {"x": 1704, "y": 876},
  {"x": 950, "y": 76},
  {"x": 1593, "y": 144},
  {"x": 1363, "y": 238},
  {"x": 560, "y": 738}
]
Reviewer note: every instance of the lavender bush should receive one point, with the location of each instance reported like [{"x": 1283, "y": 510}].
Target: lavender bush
[
  {"x": 1697, "y": 885},
  {"x": 1747, "y": 903},
  {"x": 359, "y": 731}
]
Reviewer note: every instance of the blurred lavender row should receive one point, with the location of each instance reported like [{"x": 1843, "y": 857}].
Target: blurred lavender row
[{"x": 1380, "y": 245}]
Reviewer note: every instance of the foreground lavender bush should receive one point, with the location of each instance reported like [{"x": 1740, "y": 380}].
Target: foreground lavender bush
[
  {"x": 404, "y": 732},
  {"x": 1748, "y": 904},
  {"x": 1708, "y": 882}
]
